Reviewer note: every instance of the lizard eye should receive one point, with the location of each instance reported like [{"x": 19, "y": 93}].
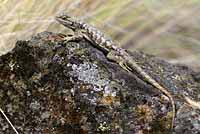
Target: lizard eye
[{"x": 63, "y": 16}]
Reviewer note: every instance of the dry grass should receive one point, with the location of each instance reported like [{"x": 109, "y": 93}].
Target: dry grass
[{"x": 168, "y": 29}]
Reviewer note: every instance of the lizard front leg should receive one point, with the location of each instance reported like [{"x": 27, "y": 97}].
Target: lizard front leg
[{"x": 73, "y": 37}]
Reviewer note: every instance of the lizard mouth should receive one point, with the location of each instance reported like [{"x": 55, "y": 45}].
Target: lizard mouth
[{"x": 64, "y": 21}]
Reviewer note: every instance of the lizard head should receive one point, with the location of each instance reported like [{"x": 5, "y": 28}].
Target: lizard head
[{"x": 67, "y": 20}]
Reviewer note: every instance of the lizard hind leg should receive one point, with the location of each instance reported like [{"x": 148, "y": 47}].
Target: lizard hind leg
[
  {"x": 125, "y": 66},
  {"x": 116, "y": 57}
]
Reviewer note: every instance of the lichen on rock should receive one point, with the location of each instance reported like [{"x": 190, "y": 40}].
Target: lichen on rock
[{"x": 48, "y": 85}]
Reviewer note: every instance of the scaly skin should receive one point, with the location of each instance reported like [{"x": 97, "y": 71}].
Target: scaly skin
[
  {"x": 87, "y": 31},
  {"x": 114, "y": 53}
]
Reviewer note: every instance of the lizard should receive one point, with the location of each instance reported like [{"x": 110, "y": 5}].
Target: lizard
[{"x": 113, "y": 52}]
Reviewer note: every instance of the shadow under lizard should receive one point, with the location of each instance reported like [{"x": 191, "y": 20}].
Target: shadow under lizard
[{"x": 114, "y": 53}]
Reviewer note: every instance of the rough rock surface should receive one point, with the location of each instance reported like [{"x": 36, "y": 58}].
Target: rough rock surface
[{"x": 49, "y": 86}]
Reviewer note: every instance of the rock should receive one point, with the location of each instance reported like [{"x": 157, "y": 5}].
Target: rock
[{"x": 50, "y": 86}]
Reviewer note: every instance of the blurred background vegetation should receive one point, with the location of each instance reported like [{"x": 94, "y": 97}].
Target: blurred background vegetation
[{"x": 166, "y": 28}]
